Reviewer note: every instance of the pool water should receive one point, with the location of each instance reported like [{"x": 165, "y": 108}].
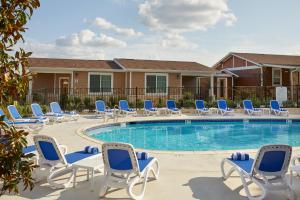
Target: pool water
[{"x": 201, "y": 136}]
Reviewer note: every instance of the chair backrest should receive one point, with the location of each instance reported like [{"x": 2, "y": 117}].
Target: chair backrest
[
  {"x": 272, "y": 160},
  {"x": 100, "y": 105},
  {"x": 222, "y": 104},
  {"x": 274, "y": 105},
  {"x": 37, "y": 110},
  {"x": 199, "y": 104},
  {"x": 120, "y": 157},
  {"x": 123, "y": 105},
  {"x": 14, "y": 113},
  {"x": 148, "y": 105},
  {"x": 171, "y": 104},
  {"x": 49, "y": 150},
  {"x": 248, "y": 105},
  {"x": 5, "y": 117},
  {"x": 55, "y": 107}
]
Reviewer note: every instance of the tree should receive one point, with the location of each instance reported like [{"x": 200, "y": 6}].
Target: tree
[{"x": 15, "y": 167}]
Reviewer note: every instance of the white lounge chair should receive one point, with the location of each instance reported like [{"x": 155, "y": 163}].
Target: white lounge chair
[
  {"x": 124, "y": 108},
  {"x": 33, "y": 125},
  {"x": 267, "y": 170},
  {"x": 171, "y": 107},
  {"x": 149, "y": 109},
  {"x": 38, "y": 113},
  {"x": 200, "y": 107},
  {"x": 14, "y": 113},
  {"x": 53, "y": 155},
  {"x": 249, "y": 109},
  {"x": 122, "y": 169},
  {"x": 223, "y": 108},
  {"x": 56, "y": 109},
  {"x": 103, "y": 111},
  {"x": 275, "y": 108}
]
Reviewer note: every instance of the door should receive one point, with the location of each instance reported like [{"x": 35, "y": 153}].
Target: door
[
  {"x": 64, "y": 85},
  {"x": 222, "y": 88}
]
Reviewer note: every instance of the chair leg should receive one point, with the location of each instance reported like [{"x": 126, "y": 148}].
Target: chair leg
[{"x": 56, "y": 172}]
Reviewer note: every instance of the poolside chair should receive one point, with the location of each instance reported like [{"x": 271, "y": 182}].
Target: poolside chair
[
  {"x": 33, "y": 125},
  {"x": 56, "y": 109},
  {"x": 122, "y": 169},
  {"x": 15, "y": 115},
  {"x": 275, "y": 108},
  {"x": 124, "y": 108},
  {"x": 200, "y": 107},
  {"x": 54, "y": 155},
  {"x": 38, "y": 113},
  {"x": 223, "y": 108},
  {"x": 171, "y": 107},
  {"x": 248, "y": 107},
  {"x": 148, "y": 108},
  {"x": 267, "y": 170},
  {"x": 103, "y": 111}
]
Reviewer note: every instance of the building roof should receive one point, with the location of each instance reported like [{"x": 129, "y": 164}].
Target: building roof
[
  {"x": 161, "y": 65},
  {"x": 72, "y": 63},
  {"x": 273, "y": 59}
]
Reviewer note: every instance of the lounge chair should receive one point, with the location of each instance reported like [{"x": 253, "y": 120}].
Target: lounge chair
[
  {"x": 15, "y": 115},
  {"x": 171, "y": 107},
  {"x": 122, "y": 169},
  {"x": 38, "y": 113},
  {"x": 275, "y": 108},
  {"x": 223, "y": 108},
  {"x": 148, "y": 108},
  {"x": 200, "y": 107},
  {"x": 124, "y": 108},
  {"x": 54, "y": 155},
  {"x": 103, "y": 111},
  {"x": 267, "y": 170},
  {"x": 33, "y": 125},
  {"x": 56, "y": 109},
  {"x": 248, "y": 107}
]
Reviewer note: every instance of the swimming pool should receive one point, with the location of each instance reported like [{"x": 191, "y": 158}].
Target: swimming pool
[{"x": 182, "y": 135}]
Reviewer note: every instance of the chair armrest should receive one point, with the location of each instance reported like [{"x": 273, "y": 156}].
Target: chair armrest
[
  {"x": 294, "y": 159},
  {"x": 63, "y": 148}
]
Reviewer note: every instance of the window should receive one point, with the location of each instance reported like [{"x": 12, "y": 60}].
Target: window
[
  {"x": 156, "y": 83},
  {"x": 100, "y": 83},
  {"x": 276, "y": 76}
]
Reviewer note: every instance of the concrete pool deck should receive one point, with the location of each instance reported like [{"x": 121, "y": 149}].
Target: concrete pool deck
[{"x": 183, "y": 175}]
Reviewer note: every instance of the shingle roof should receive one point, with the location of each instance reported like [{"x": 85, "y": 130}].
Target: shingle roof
[
  {"x": 136, "y": 64},
  {"x": 290, "y": 60},
  {"x": 73, "y": 63}
]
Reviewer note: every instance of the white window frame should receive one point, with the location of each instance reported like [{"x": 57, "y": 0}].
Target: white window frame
[
  {"x": 157, "y": 74},
  {"x": 274, "y": 69},
  {"x": 99, "y": 73}
]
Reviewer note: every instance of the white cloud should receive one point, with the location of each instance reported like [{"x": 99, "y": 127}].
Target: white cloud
[
  {"x": 104, "y": 24},
  {"x": 89, "y": 38},
  {"x": 177, "y": 41},
  {"x": 185, "y": 15}
]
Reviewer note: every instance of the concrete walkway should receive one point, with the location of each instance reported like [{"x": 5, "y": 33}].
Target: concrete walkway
[{"x": 182, "y": 176}]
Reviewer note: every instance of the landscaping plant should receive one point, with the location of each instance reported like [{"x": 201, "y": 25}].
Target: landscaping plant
[{"x": 15, "y": 167}]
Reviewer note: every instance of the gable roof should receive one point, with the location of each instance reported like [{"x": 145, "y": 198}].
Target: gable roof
[
  {"x": 266, "y": 59},
  {"x": 72, "y": 63},
  {"x": 162, "y": 65}
]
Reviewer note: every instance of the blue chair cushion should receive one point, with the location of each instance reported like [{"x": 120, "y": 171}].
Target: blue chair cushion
[
  {"x": 144, "y": 163},
  {"x": 246, "y": 165},
  {"x": 29, "y": 149},
  {"x": 272, "y": 161},
  {"x": 119, "y": 159},
  {"x": 76, "y": 156}
]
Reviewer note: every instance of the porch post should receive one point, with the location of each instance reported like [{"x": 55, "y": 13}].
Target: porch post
[
  {"x": 212, "y": 94},
  {"x": 72, "y": 82},
  {"x": 29, "y": 95},
  {"x": 292, "y": 84}
]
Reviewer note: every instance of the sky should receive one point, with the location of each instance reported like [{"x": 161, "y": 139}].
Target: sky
[{"x": 188, "y": 30}]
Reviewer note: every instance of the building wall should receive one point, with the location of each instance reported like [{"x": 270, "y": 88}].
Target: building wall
[
  {"x": 233, "y": 61},
  {"x": 175, "y": 80},
  {"x": 43, "y": 81},
  {"x": 251, "y": 77},
  {"x": 188, "y": 81}
]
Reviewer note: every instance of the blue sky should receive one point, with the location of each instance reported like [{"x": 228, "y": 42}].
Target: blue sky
[{"x": 193, "y": 30}]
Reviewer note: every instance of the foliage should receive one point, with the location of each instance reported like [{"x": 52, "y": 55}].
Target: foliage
[
  {"x": 15, "y": 167},
  {"x": 24, "y": 110},
  {"x": 63, "y": 101},
  {"x": 139, "y": 103},
  {"x": 114, "y": 101},
  {"x": 74, "y": 103},
  {"x": 289, "y": 104},
  {"x": 87, "y": 102},
  {"x": 187, "y": 100},
  {"x": 160, "y": 103}
]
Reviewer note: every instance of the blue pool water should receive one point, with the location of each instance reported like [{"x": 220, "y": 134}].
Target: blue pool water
[{"x": 201, "y": 136}]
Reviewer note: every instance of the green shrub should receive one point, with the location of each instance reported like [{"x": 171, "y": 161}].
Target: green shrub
[
  {"x": 289, "y": 104},
  {"x": 24, "y": 110},
  {"x": 211, "y": 104},
  {"x": 45, "y": 108},
  {"x": 160, "y": 103},
  {"x": 63, "y": 101},
  {"x": 88, "y": 104}
]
